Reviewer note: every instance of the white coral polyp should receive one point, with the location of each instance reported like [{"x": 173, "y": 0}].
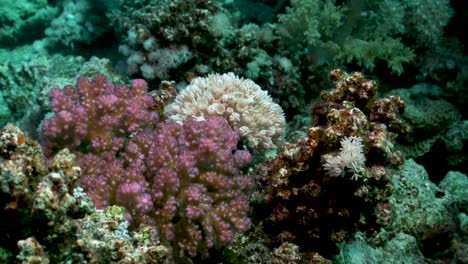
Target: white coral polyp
[
  {"x": 216, "y": 109},
  {"x": 351, "y": 158},
  {"x": 248, "y": 109}
]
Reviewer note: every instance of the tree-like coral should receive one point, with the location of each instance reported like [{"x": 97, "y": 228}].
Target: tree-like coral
[{"x": 300, "y": 198}]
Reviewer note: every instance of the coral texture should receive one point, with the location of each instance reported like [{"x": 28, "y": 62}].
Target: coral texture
[
  {"x": 46, "y": 217},
  {"x": 301, "y": 200},
  {"x": 27, "y": 82},
  {"x": 430, "y": 117},
  {"x": 327, "y": 29},
  {"x": 183, "y": 179},
  {"x": 23, "y": 21},
  {"x": 163, "y": 36},
  {"x": 249, "y": 110},
  {"x": 97, "y": 115},
  {"x": 79, "y": 22},
  {"x": 182, "y": 39},
  {"x": 350, "y": 157}
]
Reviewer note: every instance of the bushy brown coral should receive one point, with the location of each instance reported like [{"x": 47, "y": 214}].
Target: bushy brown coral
[{"x": 301, "y": 201}]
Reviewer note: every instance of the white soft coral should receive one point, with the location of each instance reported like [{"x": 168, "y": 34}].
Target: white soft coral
[
  {"x": 248, "y": 109},
  {"x": 351, "y": 157}
]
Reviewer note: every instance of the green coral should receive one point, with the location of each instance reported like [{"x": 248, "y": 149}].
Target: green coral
[
  {"x": 20, "y": 19},
  {"x": 364, "y": 32},
  {"x": 365, "y": 52},
  {"x": 417, "y": 204}
]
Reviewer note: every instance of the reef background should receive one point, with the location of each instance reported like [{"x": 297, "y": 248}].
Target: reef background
[{"x": 383, "y": 80}]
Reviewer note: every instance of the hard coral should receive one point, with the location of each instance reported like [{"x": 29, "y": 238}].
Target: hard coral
[
  {"x": 299, "y": 196},
  {"x": 183, "y": 179},
  {"x": 163, "y": 37},
  {"x": 97, "y": 115},
  {"x": 46, "y": 217},
  {"x": 180, "y": 40},
  {"x": 41, "y": 198}
]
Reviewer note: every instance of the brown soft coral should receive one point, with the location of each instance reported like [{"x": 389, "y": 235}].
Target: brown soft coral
[{"x": 301, "y": 201}]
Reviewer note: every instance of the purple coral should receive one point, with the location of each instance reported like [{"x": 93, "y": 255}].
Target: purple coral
[
  {"x": 183, "y": 179},
  {"x": 97, "y": 115}
]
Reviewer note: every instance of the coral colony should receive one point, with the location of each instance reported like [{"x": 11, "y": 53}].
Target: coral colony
[{"x": 212, "y": 131}]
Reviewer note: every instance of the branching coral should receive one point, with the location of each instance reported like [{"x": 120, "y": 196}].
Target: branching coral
[
  {"x": 97, "y": 115},
  {"x": 184, "y": 179},
  {"x": 46, "y": 217}
]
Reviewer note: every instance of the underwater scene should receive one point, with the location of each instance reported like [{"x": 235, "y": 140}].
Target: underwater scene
[{"x": 233, "y": 131}]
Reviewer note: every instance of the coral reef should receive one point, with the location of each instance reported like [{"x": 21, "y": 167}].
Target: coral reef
[
  {"x": 181, "y": 40},
  {"x": 400, "y": 247},
  {"x": 437, "y": 130},
  {"x": 327, "y": 29},
  {"x": 76, "y": 23},
  {"x": 456, "y": 143},
  {"x": 426, "y": 113},
  {"x": 162, "y": 170},
  {"x": 426, "y": 224},
  {"x": 304, "y": 199},
  {"x": 183, "y": 179},
  {"x": 253, "y": 248},
  {"x": 103, "y": 237},
  {"x": 430, "y": 210},
  {"x": 163, "y": 36}
]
